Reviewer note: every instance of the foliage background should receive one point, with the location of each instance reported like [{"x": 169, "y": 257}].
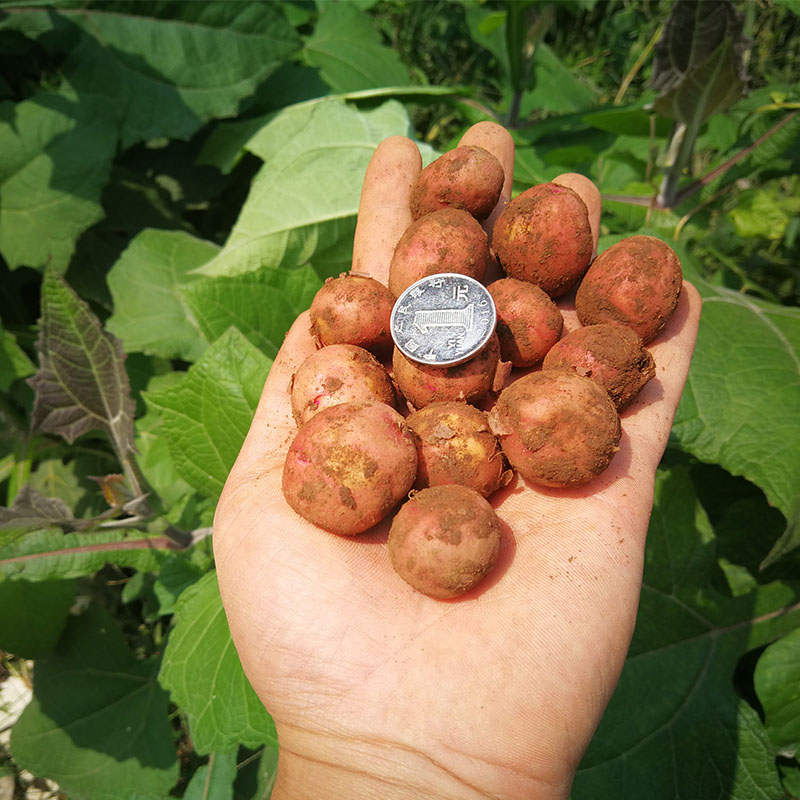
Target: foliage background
[{"x": 176, "y": 181}]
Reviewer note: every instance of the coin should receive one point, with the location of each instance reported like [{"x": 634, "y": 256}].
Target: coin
[{"x": 443, "y": 319}]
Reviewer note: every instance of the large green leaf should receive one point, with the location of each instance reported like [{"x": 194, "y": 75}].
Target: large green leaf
[
  {"x": 204, "y": 676},
  {"x": 214, "y": 780},
  {"x": 55, "y": 157},
  {"x": 304, "y": 200},
  {"x": 347, "y": 49},
  {"x": 675, "y": 726},
  {"x": 206, "y": 416},
  {"x": 98, "y": 722},
  {"x": 146, "y": 284}
]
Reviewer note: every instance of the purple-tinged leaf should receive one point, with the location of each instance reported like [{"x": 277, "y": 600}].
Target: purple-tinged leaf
[{"x": 32, "y": 509}]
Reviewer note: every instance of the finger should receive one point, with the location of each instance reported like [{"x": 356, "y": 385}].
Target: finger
[
  {"x": 497, "y": 140},
  {"x": 384, "y": 212},
  {"x": 590, "y": 195}
]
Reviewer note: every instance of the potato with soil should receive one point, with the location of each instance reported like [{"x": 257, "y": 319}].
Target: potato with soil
[
  {"x": 444, "y": 541},
  {"x": 611, "y": 355},
  {"x": 543, "y": 236},
  {"x": 455, "y": 445},
  {"x": 468, "y": 382},
  {"x": 449, "y": 240},
  {"x": 350, "y": 466},
  {"x": 469, "y": 178},
  {"x": 353, "y": 309},
  {"x": 556, "y": 428},
  {"x": 636, "y": 282},
  {"x": 528, "y": 321},
  {"x": 339, "y": 373}
]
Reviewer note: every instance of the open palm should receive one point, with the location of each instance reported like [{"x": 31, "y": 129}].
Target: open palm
[{"x": 380, "y": 692}]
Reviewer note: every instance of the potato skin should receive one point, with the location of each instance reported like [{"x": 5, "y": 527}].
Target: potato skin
[
  {"x": 470, "y": 381},
  {"x": 543, "y": 236},
  {"x": 556, "y": 428},
  {"x": 444, "y": 540},
  {"x": 528, "y": 321},
  {"x": 449, "y": 240},
  {"x": 455, "y": 445},
  {"x": 339, "y": 373},
  {"x": 353, "y": 309},
  {"x": 636, "y": 282},
  {"x": 349, "y": 467},
  {"x": 611, "y": 355},
  {"x": 469, "y": 178}
]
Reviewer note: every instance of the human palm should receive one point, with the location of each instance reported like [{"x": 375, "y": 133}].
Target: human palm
[{"x": 378, "y": 691}]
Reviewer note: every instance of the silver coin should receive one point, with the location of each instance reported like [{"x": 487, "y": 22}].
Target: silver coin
[{"x": 443, "y": 319}]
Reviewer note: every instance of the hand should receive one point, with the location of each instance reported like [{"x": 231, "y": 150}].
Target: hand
[{"x": 380, "y": 692}]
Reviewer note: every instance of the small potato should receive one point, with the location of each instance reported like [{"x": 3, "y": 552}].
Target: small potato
[
  {"x": 339, "y": 373},
  {"x": 468, "y": 382},
  {"x": 353, "y": 309},
  {"x": 636, "y": 282},
  {"x": 455, "y": 445},
  {"x": 611, "y": 355},
  {"x": 444, "y": 540},
  {"x": 449, "y": 240},
  {"x": 469, "y": 178},
  {"x": 349, "y": 467},
  {"x": 543, "y": 236},
  {"x": 556, "y": 428},
  {"x": 528, "y": 321}
]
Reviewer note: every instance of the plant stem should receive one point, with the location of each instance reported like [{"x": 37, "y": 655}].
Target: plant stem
[{"x": 634, "y": 71}]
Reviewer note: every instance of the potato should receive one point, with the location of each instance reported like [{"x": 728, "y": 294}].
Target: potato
[
  {"x": 349, "y": 467},
  {"x": 339, "y": 373},
  {"x": 353, "y": 309},
  {"x": 469, "y": 178},
  {"x": 556, "y": 428},
  {"x": 444, "y": 540},
  {"x": 528, "y": 321},
  {"x": 449, "y": 240},
  {"x": 469, "y": 381},
  {"x": 455, "y": 445},
  {"x": 543, "y": 236},
  {"x": 636, "y": 282},
  {"x": 611, "y": 355}
]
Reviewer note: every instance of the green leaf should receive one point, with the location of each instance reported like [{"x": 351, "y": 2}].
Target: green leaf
[
  {"x": 555, "y": 86},
  {"x": 746, "y": 364},
  {"x": 34, "y": 615},
  {"x": 777, "y": 682},
  {"x": 690, "y": 735},
  {"x": 262, "y": 305},
  {"x": 257, "y": 776},
  {"x": 32, "y": 509},
  {"x": 97, "y": 724},
  {"x": 214, "y": 780},
  {"x": 759, "y": 214},
  {"x": 51, "y": 555},
  {"x": 166, "y": 68},
  {"x": 304, "y": 200},
  {"x": 55, "y": 157},
  {"x": 81, "y": 384},
  {"x": 204, "y": 676},
  {"x": 347, "y": 49},
  {"x": 13, "y": 361},
  {"x": 146, "y": 283},
  {"x": 207, "y": 415}
]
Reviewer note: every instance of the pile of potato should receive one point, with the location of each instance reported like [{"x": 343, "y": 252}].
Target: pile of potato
[{"x": 418, "y": 442}]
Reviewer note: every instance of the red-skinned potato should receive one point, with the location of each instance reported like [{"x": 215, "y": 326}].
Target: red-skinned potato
[
  {"x": 544, "y": 236},
  {"x": 469, "y": 178},
  {"x": 636, "y": 282},
  {"x": 349, "y": 467},
  {"x": 611, "y": 355},
  {"x": 556, "y": 428},
  {"x": 339, "y": 373},
  {"x": 449, "y": 240},
  {"x": 528, "y": 321},
  {"x": 455, "y": 445},
  {"x": 353, "y": 309},
  {"x": 444, "y": 540},
  {"x": 469, "y": 382}
]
